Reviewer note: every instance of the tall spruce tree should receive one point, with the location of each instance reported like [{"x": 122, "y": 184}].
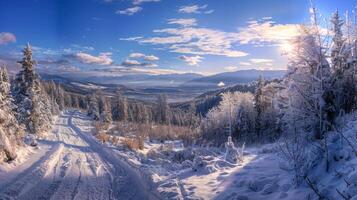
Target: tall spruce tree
[
  {"x": 259, "y": 106},
  {"x": 93, "y": 110},
  {"x": 33, "y": 105},
  {"x": 338, "y": 42}
]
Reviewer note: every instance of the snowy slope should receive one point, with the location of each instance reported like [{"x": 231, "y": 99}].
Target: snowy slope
[{"x": 70, "y": 164}]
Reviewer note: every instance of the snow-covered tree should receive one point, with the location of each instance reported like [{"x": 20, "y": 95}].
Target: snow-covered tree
[
  {"x": 11, "y": 133},
  {"x": 259, "y": 106},
  {"x": 93, "y": 110},
  {"x": 307, "y": 100},
  {"x": 60, "y": 96},
  {"x": 269, "y": 126},
  {"x": 106, "y": 115},
  {"x": 337, "y": 58},
  {"x": 119, "y": 108},
  {"x": 308, "y": 79},
  {"x": 235, "y": 105},
  {"x": 162, "y": 110},
  {"x": 33, "y": 105},
  {"x": 343, "y": 60}
]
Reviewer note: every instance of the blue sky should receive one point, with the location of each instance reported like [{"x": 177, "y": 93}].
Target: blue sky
[{"x": 116, "y": 37}]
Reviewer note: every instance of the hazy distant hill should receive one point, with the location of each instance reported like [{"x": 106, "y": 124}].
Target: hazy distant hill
[
  {"x": 178, "y": 87},
  {"x": 232, "y": 78},
  {"x": 142, "y": 80}
]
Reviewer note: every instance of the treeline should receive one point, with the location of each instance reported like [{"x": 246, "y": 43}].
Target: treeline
[
  {"x": 107, "y": 108},
  {"x": 120, "y": 108}
]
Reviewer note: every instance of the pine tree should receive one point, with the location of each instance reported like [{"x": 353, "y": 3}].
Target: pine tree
[
  {"x": 259, "y": 106},
  {"x": 119, "y": 108},
  {"x": 33, "y": 105},
  {"x": 106, "y": 115},
  {"x": 11, "y": 133},
  {"x": 338, "y": 42},
  {"x": 93, "y": 110},
  {"x": 60, "y": 96},
  {"x": 162, "y": 110}
]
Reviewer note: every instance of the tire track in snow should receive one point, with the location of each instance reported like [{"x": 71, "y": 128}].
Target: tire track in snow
[
  {"x": 31, "y": 176},
  {"x": 77, "y": 167}
]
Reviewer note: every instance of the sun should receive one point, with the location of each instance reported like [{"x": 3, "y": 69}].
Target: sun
[{"x": 286, "y": 47}]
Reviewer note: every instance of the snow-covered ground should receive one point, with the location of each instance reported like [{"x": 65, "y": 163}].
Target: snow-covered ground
[
  {"x": 262, "y": 175},
  {"x": 71, "y": 164}
]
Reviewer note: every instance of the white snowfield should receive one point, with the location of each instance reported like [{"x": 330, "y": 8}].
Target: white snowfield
[{"x": 71, "y": 164}]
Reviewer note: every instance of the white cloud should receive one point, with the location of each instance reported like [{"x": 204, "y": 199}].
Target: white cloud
[
  {"x": 68, "y": 68},
  {"x": 183, "y": 22},
  {"x": 138, "y": 2},
  {"x": 245, "y": 63},
  {"x": 260, "y": 60},
  {"x": 151, "y": 58},
  {"x": 136, "y": 55},
  {"x": 128, "y": 63},
  {"x": 267, "y": 32},
  {"x": 129, "y": 11},
  {"x": 191, "y": 60},
  {"x": 6, "y": 38},
  {"x": 102, "y": 59},
  {"x": 135, "y": 63},
  {"x": 197, "y": 41},
  {"x": 131, "y": 38},
  {"x": 194, "y": 9},
  {"x": 206, "y": 41},
  {"x": 267, "y": 18},
  {"x": 145, "y": 57},
  {"x": 208, "y": 11},
  {"x": 231, "y": 68}
]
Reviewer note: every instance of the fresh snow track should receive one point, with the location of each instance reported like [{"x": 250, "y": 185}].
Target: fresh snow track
[{"x": 76, "y": 166}]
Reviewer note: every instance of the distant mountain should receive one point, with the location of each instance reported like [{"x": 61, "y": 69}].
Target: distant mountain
[
  {"x": 233, "y": 78},
  {"x": 145, "y": 80},
  {"x": 178, "y": 87},
  {"x": 139, "y": 80}
]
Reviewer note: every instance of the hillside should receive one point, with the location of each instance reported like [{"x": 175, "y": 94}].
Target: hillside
[{"x": 232, "y": 78}]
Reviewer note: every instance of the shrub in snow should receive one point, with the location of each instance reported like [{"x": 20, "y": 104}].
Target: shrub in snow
[
  {"x": 255, "y": 186},
  {"x": 259, "y": 185},
  {"x": 203, "y": 164},
  {"x": 31, "y": 140},
  {"x": 187, "y": 164},
  {"x": 180, "y": 156},
  {"x": 270, "y": 188},
  {"x": 232, "y": 154},
  {"x": 209, "y": 169},
  {"x": 170, "y": 189}
]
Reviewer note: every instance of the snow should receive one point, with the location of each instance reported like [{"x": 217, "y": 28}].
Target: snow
[
  {"x": 203, "y": 172},
  {"x": 70, "y": 164}
]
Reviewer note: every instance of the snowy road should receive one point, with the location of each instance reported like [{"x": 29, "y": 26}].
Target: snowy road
[{"x": 73, "y": 165}]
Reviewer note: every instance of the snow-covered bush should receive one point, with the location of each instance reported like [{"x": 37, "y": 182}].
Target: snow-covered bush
[
  {"x": 31, "y": 140},
  {"x": 203, "y": 164},
  {"x": 232, "y": 154},
  {"x": 134, "y": 143}
]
